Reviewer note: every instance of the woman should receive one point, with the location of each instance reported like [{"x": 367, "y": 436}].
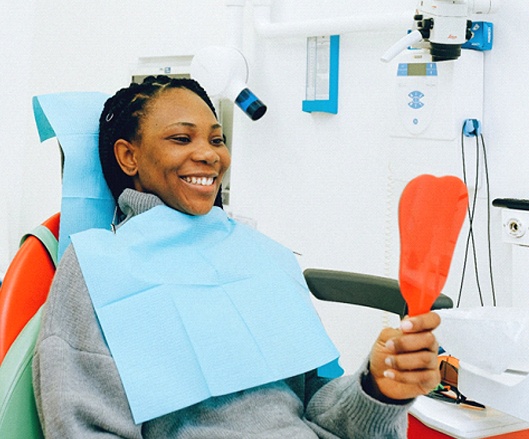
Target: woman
[{"x": 163, "y": 156}]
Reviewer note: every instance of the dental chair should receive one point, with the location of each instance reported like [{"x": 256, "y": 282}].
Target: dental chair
[
  {"x": 72, "y": 118},
  {"x": 24, "y": 290},
  {"x": 18, "y": 412},
  {"x": 27, "y": 281}
]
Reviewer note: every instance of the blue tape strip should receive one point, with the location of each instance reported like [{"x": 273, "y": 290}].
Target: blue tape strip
[{"x": 245, "y": 99}]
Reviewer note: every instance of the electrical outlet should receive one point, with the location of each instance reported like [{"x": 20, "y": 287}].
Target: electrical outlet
[{"x": 515, "y": 225}]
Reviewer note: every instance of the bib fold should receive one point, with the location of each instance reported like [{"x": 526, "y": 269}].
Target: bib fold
[{"x": 198, "y": 306}]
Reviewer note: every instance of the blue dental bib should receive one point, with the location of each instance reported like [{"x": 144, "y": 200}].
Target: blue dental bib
[{"x": 198, "y": 306}]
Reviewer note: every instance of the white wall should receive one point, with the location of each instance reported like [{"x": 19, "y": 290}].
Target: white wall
[
  {"x": 16, "y": 27},
  {"x": 320, "y": 184}
]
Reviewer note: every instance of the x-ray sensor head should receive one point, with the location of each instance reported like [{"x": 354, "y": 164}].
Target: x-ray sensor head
[{"x": 223, "y": 72}]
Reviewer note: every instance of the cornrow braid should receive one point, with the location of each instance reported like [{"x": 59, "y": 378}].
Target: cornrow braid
[{"x": 121, "y": 117}]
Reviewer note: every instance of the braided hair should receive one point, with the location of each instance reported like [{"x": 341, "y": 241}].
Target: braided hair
[{"x": 121, "y": 119}]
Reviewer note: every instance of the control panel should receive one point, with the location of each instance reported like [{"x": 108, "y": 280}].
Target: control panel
[{"x": 416, "y": 94}]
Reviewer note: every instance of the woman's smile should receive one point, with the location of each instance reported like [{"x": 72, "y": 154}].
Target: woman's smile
[{"x": 200, "y": 181}]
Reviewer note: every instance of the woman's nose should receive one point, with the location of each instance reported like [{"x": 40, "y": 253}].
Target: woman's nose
[{"x": 205, "y": 152}]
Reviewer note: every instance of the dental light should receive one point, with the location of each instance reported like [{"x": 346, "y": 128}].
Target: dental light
[
  {"x": 442, "y": 27},
  {"x": 223, "y": 72}
]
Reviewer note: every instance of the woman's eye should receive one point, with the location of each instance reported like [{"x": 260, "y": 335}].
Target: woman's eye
[
  {"x": 181, "y": 139},
  {"x": 218, "y": 141}
]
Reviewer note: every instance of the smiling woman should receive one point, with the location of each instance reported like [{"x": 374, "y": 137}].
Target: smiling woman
[{"x": 183, "y": 323}]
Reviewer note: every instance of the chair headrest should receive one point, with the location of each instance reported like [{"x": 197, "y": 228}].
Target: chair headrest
[{"x": 73, "y": 118}]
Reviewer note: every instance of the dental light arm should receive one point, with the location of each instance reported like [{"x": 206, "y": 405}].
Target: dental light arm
[
  {"x": 223, "y": 72},
  {"x": 443, "y": 26}
]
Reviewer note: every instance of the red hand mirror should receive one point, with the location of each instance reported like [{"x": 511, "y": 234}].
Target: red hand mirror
[{"x": 431, "y": 213}]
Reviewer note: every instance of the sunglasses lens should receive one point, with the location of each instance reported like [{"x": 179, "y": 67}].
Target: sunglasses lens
[
  {"x": 448, "y": 373},
  {"x": 449, "y": 379}
]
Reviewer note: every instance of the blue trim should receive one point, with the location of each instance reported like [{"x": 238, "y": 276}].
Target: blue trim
[
  {"x": 483, "y": 36},
  {"x": 329, "y": 105},
  {"x": 250, "y": 104},
  {"x": 245, "y": 99}
]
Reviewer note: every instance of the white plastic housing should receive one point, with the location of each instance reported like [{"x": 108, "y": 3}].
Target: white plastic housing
[{"x": 221, "y": 70}]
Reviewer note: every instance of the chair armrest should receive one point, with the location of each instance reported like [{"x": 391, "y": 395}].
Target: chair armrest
[{"x": 362, "y": 289}]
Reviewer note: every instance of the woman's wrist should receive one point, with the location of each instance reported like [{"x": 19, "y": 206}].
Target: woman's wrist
[{"x": 369, "y": 386}]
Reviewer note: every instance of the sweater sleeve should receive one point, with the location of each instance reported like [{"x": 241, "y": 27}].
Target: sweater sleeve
[
  {"x": 77, "y": 387},
  {"x": 344, "y": 409}
]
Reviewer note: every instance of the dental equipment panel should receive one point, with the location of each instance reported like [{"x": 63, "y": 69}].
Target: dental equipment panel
[
  {"x": 417, "y": 87},
  {"x": 426, "y": 100}
]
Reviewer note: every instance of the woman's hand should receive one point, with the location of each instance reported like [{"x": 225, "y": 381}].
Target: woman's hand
[{"x": 403, "y": 362}]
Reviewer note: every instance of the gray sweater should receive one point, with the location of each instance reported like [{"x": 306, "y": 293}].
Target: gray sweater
[{"x": 79, "y": 392}]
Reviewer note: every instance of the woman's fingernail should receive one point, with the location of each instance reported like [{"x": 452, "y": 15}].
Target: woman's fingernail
[
  {"x": 406, "y": 325},
  {"x": 390, "y": 345},
  {"x": 389, "y": 361},
  {"x": 389, "y": 374}
]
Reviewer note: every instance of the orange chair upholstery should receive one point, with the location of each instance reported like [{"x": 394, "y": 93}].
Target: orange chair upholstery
[{"x": 26, "y": 284}]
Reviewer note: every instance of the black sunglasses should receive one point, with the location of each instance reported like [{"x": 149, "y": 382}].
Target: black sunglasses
[{"x": 447, "y": 390}]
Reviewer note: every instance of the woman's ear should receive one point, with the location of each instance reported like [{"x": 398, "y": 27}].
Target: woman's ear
[{"x": 125, "y": 153}]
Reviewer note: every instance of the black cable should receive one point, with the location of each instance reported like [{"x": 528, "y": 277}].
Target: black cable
[
  {"x": 486, "y": 166},
  {"x": 471, "y": 216},
  {"x": 471, "y": 231},
  {"x": 465, "y": 259},
  {"x": 471, "y": 213}
]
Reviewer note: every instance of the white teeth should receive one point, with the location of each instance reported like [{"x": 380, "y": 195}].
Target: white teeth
[{"x": 203, "y": 181}]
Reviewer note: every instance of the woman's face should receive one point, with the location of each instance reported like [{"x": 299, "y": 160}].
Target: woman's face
[{"x": 180, "y": 155}]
